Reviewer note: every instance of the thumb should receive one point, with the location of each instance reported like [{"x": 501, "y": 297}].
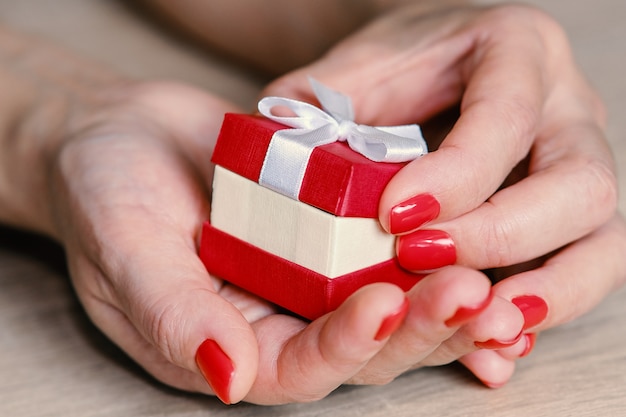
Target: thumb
[{"x": 167, "y": 314}]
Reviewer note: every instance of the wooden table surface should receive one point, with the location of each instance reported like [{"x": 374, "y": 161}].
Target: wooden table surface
[{"x": 53, "y": 362}]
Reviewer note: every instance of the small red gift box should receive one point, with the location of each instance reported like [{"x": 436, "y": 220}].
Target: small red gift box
[{"x": 309, "y": 251}]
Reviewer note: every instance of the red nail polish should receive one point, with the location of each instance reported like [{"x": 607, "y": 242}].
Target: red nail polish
[
  {"x": 531, "y": 338},
  {"x": 413, "y": 213},
  {"x": 534, "y": 309},
  {"x": 216, "y": 367},
  {"x": 391, "y": 323},
  {"x": 464, "y": 314},
  {"x": 498, "y": 344},
  {"x": 425, "y": 250}
]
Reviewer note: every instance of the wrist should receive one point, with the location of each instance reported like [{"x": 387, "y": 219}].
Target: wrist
[{"x": 47, "y": 95}]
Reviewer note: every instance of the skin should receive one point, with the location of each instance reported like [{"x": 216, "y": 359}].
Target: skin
[
  {"x": 278, "y": 38},
  {"x": 117, "y": 172}
]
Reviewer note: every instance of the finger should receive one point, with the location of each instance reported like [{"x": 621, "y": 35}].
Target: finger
[
  {"x": 557, "y": 292},
  {"x": 305, "y": 363},
  {"x": 502, "y": 103},
  {"x": 118, "y": 328},
  {"x": 367, "y": 85},
  {"x": 501, "y": 110},
  {"x": 494, "y": 368},
  {"x": 573, "y": 281},
  {"x": 571, "y": 190},
  {"x": 440, "y": 304},
  {"x": 414, "y": 74},
  {"x": 170, "y": 308},
  {"x": 498, "y": 327},
  {"x": 521, "y": 349},
  {"x": 489, "y": 367},
  {"x": 145, "y": 263}
]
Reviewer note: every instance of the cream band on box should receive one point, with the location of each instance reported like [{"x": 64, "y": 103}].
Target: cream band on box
[{"x": 317, "y": 240}]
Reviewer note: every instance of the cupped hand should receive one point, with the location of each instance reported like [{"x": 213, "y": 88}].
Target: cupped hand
[
  {"x": 524, "y": 106},
  {"x": 129, "y": 189}
]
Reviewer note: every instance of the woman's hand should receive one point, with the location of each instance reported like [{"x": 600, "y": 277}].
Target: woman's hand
[{"x": 523, "y": 103}]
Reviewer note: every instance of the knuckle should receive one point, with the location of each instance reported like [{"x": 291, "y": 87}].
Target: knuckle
[
  {"x": 600, "y": 187},
  {"x": 497, "y": 235},
  {"x": 162, "y": 322},
  {"x": 522, "y": 118}
]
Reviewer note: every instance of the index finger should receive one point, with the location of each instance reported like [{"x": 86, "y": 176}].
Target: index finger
[{"x": 506, "y": 78}]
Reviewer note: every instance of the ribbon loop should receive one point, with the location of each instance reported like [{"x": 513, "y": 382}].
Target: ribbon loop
[{"x": 285, "y": 162}]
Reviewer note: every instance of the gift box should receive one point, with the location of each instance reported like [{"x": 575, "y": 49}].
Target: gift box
[{"x": 295, "y": 203}]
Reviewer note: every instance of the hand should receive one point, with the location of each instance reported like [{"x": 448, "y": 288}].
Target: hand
[
  {"x": 130, "y": 192},
  {"x": 523, "y": 103}
]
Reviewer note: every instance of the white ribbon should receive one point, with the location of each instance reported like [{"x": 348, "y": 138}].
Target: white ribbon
[{"x": 289, "y": 150}]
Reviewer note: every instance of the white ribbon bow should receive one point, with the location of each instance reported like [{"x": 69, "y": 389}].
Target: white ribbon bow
[{"x": 289, "y": 150}]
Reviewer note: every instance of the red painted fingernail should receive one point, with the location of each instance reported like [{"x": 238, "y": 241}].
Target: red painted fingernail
[
  {"x": 425, "y": 250},
  {"x": 216, "y": 367},
  {"x": 498, "y": 344},
  {"x": 534, "y": 309},
  {"x": 391, "y": 323},
  {"x": 413, "y": 213},
  {"x": 464, "y": 314},
  {"x": 531, "y": 338}
]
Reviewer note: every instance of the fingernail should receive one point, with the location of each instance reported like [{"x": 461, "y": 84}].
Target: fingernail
[
  {"x": 425, "y": 250},
  {"x": 391, "y": 323},
  {"x": 498, "y": 344},
  {"x": 531, "y": 338},
  {"x": 413, "y": 213},
  {"x": 216, "y": 367},
  {"x": 464, "y": 314},
  {"x": 534, "y": 309}
]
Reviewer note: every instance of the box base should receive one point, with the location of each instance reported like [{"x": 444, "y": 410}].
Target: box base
[{"x": 289, "y": 285}]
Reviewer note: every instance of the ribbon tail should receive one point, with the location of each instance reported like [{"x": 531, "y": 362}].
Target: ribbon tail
[{"x": 395, "y": 144}]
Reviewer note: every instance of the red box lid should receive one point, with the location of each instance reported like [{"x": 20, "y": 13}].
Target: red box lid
[{"x": 337, "y": 179}]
